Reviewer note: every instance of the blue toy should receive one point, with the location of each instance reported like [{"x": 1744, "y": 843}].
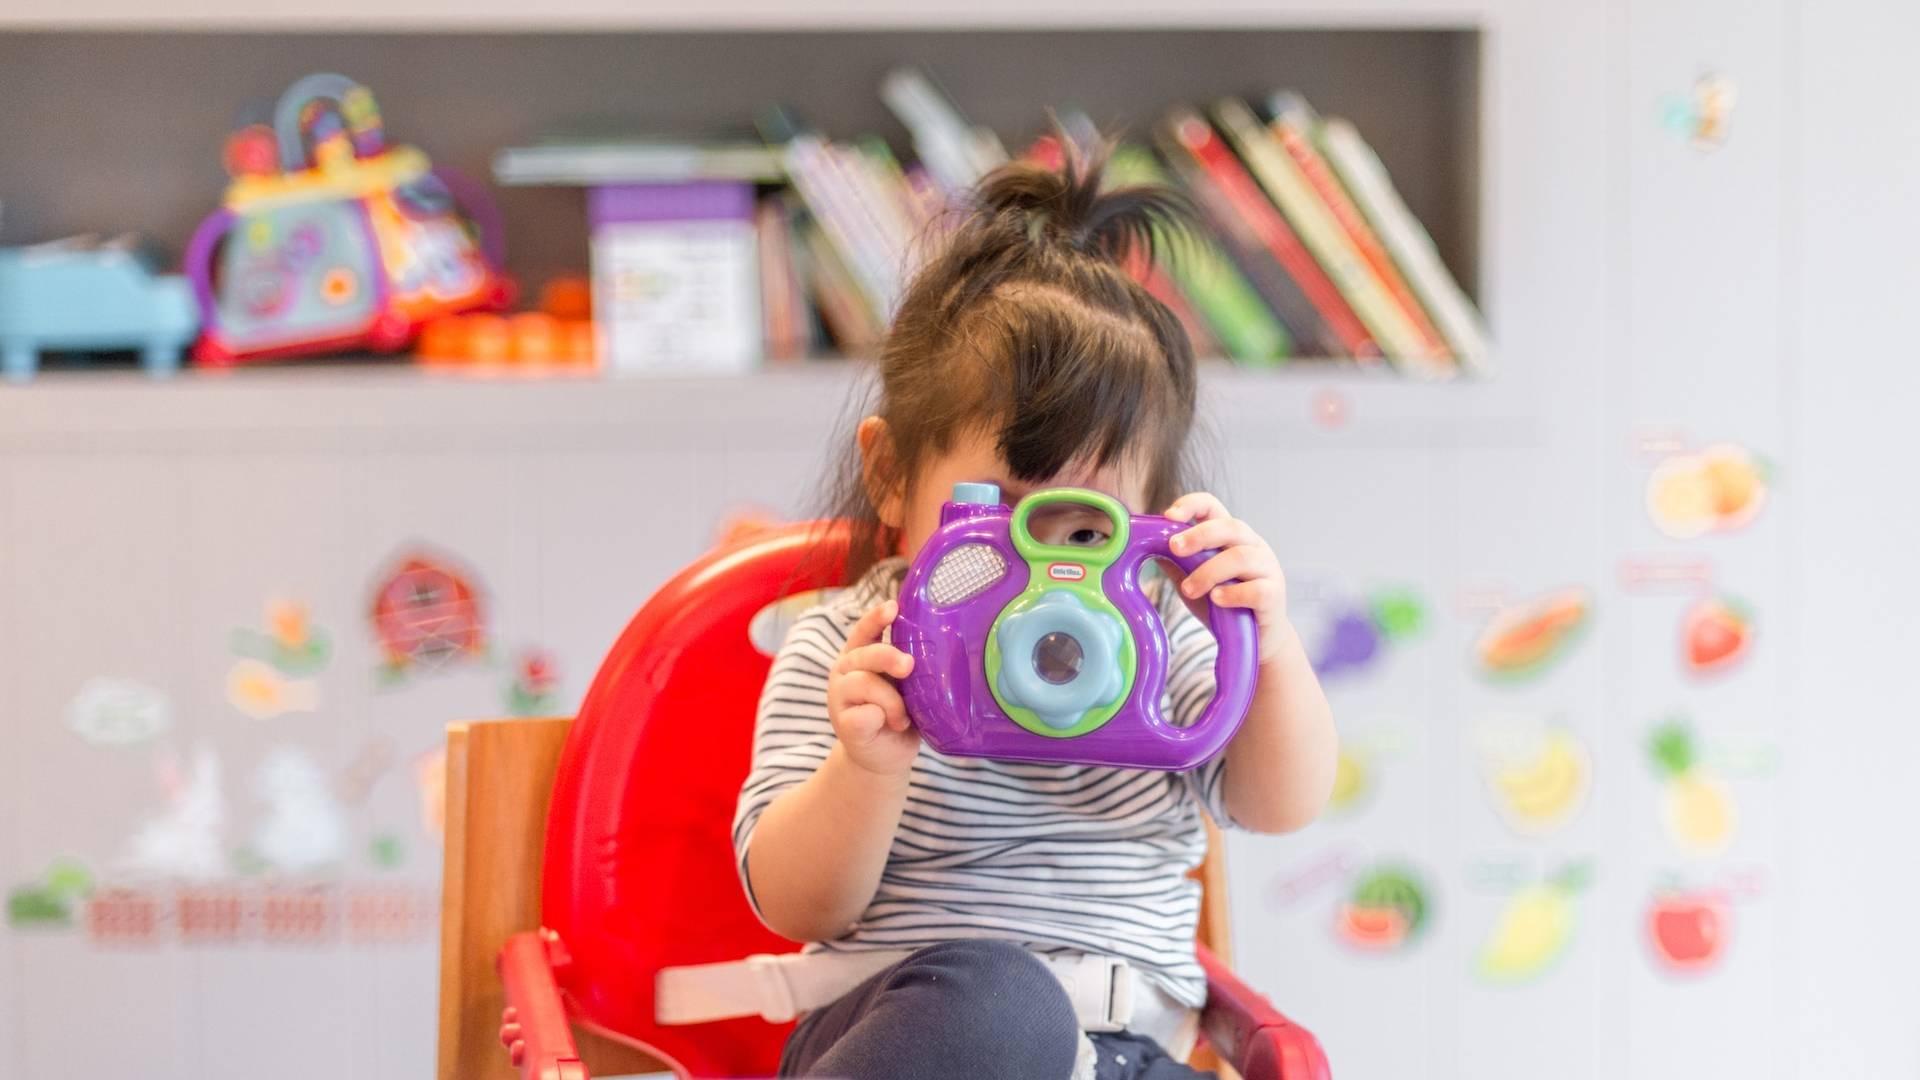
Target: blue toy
[{"x": 72, "y": 296}]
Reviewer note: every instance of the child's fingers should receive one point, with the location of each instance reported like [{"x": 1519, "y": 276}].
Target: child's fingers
[
  {"x": 1258, "y": 594},
  {"x": 860, "y": 722},
  {"x": 1235, "y": 562},
  {"x": 865, "y": 701},
  {"x": 871, "y": 625},
  {"x": 879, "y": 657},
  {"x": 1196, "y": 506},
  {"x": 1214, "y": 533}
]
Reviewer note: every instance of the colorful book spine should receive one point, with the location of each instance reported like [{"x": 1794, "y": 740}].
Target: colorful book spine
[
  {"x": 1295, "y": 124},
  {"x": 840, "y": 208},
  {"x": 1260, "y": 219},
  {"x": 1366, "y": 179},
  {"x": 1245, "y": 326},
  {"x": 1305, "y": 329},
  {"x": 783, "y": 304},
  {"x": 1161, "y": 287},
  {"x": 844, "y": 311},
  {"x": 1321, "y": 234}
]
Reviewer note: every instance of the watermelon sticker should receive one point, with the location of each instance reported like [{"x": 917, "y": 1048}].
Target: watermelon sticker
[
  {"x": 1386, "y": 911},
  {"x": 1522, "y": 640}
]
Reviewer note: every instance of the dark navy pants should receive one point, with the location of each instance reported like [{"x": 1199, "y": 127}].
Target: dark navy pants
[{"x": 963, "y": 1010}]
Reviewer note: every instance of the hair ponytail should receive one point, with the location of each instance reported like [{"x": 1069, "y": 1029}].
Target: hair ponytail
[
  {"x": 1070, "y": 206},
  {"x": 1027, "y": 323}
]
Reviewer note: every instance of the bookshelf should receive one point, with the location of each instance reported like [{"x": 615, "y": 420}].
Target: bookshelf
[{"x": 1410, "y": 75}]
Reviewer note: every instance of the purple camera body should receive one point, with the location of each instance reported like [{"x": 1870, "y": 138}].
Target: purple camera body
[{"x": 1001, "y": 626}]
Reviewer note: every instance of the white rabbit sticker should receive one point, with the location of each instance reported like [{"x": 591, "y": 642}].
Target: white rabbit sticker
[
  {"x": 305, "y": 830},
  {"x": 185, "y": 840}
]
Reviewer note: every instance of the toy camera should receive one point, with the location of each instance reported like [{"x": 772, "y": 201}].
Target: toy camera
[
  {"x": 331, "y": 239},
  {"x": 1046, "y": 652}
]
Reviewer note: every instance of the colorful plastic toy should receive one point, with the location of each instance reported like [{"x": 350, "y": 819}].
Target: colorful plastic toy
[
  {"x": 638, "y": 869},
  {"x": 560, "y": 336},
  {"x": 1039, "y": 652},
  {"x": 80, "y": 297},
  {"x": 330, "y": 239}
]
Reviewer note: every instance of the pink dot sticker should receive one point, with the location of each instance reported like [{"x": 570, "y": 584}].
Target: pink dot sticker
[{"x": 1330, "y": 409}]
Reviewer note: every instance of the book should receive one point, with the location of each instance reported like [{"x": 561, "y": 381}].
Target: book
[
  {"x": 1407, "y": 240},
  {"x": 955, "y": 153},
  {"x": 601, "y": 162},
  {"x": 676, "y": 281},
  {"x": 1322, "y": 235},
  {"x": 1295, "y": 124},
  {"x": 783, "y": 301},
  {"x": 1313, "y": 310},
  {"x": 845, "y": 312},
  {"x": 1244, "y": 325}
]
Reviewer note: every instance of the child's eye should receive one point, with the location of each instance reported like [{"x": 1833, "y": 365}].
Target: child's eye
[{"x": 1087, "y": 537}]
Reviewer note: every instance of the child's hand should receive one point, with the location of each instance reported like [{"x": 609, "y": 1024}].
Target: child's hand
[
  {"x": 868, "y": 716},
  {"x": 1260, "y": 585}
]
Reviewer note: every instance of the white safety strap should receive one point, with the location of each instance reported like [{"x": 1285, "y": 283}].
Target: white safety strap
[{"x": 779, "y": 988}]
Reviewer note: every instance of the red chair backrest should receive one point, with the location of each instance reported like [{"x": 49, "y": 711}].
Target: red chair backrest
[{"x": 639, "y": 871}]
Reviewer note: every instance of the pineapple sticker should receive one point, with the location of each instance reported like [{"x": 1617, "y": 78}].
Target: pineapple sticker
[
  {"x": 1698, "y": 809},
  {"x": 1534, "y": 929}
]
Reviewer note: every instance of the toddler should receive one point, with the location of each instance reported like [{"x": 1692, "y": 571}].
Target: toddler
[{"x": 959, "y": 910}]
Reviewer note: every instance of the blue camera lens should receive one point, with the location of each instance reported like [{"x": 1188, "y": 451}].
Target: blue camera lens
[{"x": 1056, "y": 658}]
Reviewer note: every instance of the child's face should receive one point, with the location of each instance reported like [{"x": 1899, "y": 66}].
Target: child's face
[{"x": 975, "y": 459}]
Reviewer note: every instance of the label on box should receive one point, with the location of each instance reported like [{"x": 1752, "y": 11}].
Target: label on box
[{"x": 677, "y": 296}]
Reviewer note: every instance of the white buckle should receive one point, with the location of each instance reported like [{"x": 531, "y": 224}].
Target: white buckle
[
  {"x": 1119, "y": 992},
  {"x": 1100, "y": 987},
  {"x": 771, "y": 988}
]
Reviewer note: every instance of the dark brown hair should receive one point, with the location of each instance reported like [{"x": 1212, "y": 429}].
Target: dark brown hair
[{"x": 1024, "y": 323}]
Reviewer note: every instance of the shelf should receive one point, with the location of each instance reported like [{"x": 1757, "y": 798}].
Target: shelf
[
  {"x": 505, "y": 15},
  {"x": 461, "y": 96},
  {"x": 296, "y": 408}
]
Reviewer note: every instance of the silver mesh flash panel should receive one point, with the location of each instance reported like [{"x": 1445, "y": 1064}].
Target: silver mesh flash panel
[{"x": 964, "y": 573}]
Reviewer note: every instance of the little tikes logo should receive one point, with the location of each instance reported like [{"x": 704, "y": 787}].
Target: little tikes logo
[{"x": 1067, "y": 571}]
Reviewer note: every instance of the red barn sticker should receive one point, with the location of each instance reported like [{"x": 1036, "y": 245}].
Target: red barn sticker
[{"x": 428, "y": 613}]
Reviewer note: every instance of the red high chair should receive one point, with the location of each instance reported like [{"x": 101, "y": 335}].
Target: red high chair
[{"x": 635, "y": 799}]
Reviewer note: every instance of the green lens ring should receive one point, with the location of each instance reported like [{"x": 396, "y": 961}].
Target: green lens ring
[{"x": 1036, "y": 552}]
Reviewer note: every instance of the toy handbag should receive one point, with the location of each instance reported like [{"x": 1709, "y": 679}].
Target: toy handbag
[
  {"x": 330, "y": 239},
  {"x": 1053, "y": 653}
]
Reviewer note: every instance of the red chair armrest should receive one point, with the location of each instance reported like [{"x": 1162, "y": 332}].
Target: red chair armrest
[
  {"x": 1253, "y": 1036},
  {"x": 534, "y": 1026}
]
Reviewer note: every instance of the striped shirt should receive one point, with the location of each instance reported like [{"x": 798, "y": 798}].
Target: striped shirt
[{"x": 1057, "y": 858}]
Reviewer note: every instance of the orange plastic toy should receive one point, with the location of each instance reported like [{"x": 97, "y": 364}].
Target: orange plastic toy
[
  {"x": 560, "y": 334},
  {"x": 639, "y": 868}
]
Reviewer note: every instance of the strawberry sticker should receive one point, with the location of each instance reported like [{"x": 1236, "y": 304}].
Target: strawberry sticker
[{"x": 1715, "y": 635}]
